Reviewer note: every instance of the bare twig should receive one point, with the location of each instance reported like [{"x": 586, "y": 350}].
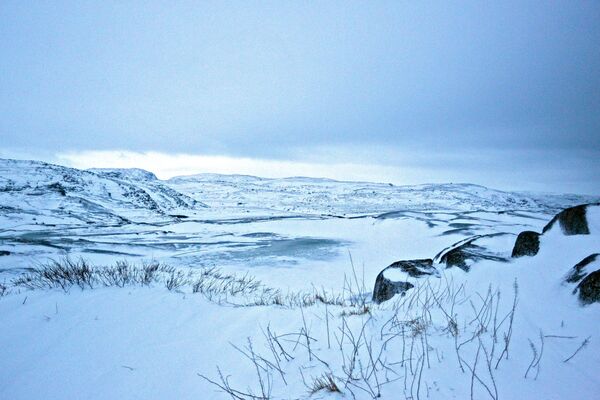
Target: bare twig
[{"x": 583, "y": 344}]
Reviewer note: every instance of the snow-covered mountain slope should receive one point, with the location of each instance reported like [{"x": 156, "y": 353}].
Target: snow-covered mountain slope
[{"x": 34, "y": 192}]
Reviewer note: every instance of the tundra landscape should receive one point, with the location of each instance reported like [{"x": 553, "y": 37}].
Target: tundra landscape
[
  {"x": 299, "y": 200},
  {"x": 116, "y": 284}
]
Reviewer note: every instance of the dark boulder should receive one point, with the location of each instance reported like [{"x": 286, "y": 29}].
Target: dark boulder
[
  {"x": 385, "y": 289},
  {"x": 4, "y": 253},
  {"x": 587, "y": 273},
  {"x": 527, "y": 244},
  {"x": 456, "y": 258},
  {"x": 589, "y": 288},
  {"x": 572, "y": 221},
  {"x": 394, "y": 278}
]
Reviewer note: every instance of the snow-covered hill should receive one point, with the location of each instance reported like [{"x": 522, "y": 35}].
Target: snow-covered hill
[
  {"x": 34, "y": 192},
  {"x": 326, "y": 196}
]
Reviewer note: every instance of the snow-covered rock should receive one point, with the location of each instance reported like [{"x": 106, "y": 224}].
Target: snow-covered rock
[
  {"x": 586, "y": 274},
  {"x": 583, "y": 219},
  {"x": 396, "y": 278},
  {"x": 527, "y": 244},
  {"x": 473, "y": 249},
  {"x": 566, "y": 228},
  {"x": 574, "y": 220}
]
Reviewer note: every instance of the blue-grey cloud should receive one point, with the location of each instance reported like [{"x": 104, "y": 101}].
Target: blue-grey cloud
[{"x": 272, "y": 79}]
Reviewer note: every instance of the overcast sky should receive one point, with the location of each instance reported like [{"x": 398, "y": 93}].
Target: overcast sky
[{"x": 505, "y": 94}]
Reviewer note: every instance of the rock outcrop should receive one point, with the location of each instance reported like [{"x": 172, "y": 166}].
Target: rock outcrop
[
  {"x": 399, "y": 277},
  {"x": 469, "y": 251},
  {"x": 589, "y": 288},
  {"x": 579, "y": 270},
  {"x": 527, "y": 244},
  {"x": 587, "y": 274},
  {"x": 572, "y": 221},
  {"x": 394, "y": 279}
]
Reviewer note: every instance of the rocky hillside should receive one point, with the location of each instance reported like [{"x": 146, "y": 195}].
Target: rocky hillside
[{"x": 32, "y": 191}]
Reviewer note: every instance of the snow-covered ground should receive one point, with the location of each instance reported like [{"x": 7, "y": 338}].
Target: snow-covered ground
[
  {"x": 298, "y": 236},
  {"x": 286, "y": 231}
]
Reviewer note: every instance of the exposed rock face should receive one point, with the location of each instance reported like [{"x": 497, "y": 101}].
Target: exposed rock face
[
  {"x": 587, "y": 273},
  {"x": 467, "y": 252},
  {"x": 415, "y": 268},
  {"x": 589, "y": 288},
  {"x": 394, "y": 278},
  {"x": 386, "y": 289},
  {"x": 572, "y": 221},
  {"x": 578, "y": 271},
  {"x": 456, "y": 258},
  {"x": 527, "y": 244},
  {"x": 4, "y": 253}
]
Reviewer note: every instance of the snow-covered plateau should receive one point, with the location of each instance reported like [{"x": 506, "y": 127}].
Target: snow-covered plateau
[{"x": 117, "y": 285}]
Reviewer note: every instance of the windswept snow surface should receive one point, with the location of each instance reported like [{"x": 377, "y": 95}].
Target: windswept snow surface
[{"x": 296, "y": 235}]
